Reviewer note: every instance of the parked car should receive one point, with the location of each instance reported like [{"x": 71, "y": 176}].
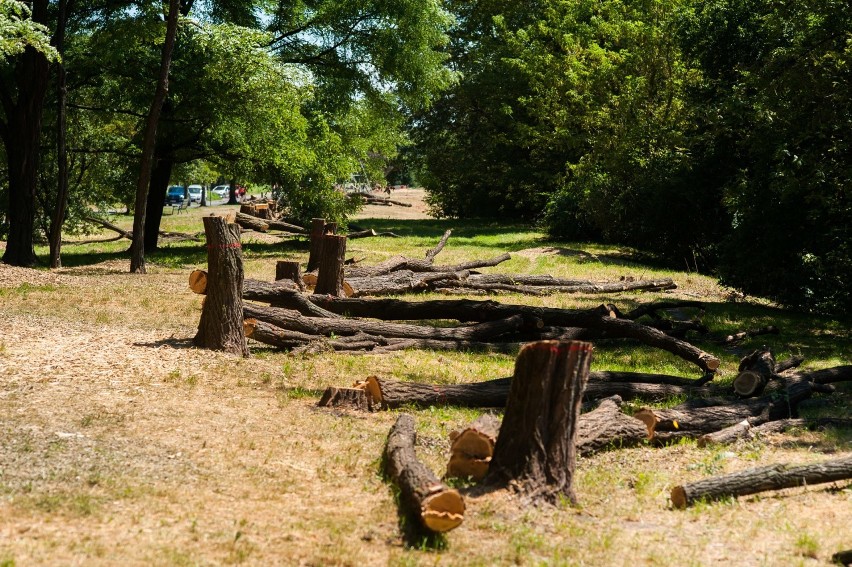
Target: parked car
[
  {"x": 194, "y": 193},
  {"x": 176, "y": 195},
  {"x": 221, "y": 191}
]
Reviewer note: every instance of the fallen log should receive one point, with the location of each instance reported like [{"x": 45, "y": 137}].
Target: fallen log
[
  {"x": 842, "y": 557},
  {"x": 354, "y": 398},
  {"x": 755, "y": 428},
  {"x": 755, "y": 372},
  {"x": 252, "y": 223},
  {"x": 285, "y": 226},
  {"x": 742, "y": 335},
  {"x": 402, "y": 282},
  {"x": 828, "y": 375},
  {"x": 396, "y": 262},
  {"x": 472, "y": 447},
  {"x": 652, "y": 308},
  {"x": 607, "y": 427},
  {"x": 437, "y": 507},
  {"x": 295, "y": 321},
  {"x": 761, "y": 479}
]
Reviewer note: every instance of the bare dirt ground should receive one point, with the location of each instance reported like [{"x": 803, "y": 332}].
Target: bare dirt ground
[
  {"x": 121, "y": 444},
  {"x": 413, "y": 196}
]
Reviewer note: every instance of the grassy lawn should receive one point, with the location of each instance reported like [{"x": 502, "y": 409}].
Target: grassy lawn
[{"x": 120, "y": 443}]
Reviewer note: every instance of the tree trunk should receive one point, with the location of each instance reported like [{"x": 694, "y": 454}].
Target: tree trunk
[
  {"x": 232, "y": 194},
  {"x": 285, "y": 226},
  {"x": 389, "y": 394},
  {"x": 315, "y": 253},
  {"x": 252, "y": 223},
  {"x": 606, "y": 427},
  {"x": 20, "y": 133},
  {"x": 330, "y": 275},
  {"x": 294, "y": 321},
  {"x": 471, "y": 448},
  {"x": 755, "y": 372},
  {"x": 221, "y": 325},
  {"x": 157, "y": 188},
  {"x": 755, "y": 427},
  {"x": 290, "y": 271},
  {"x": 57, "y": 218},
  {"x": 761, "y": 479},
  {"x": 355, "y": 398},
  {"x": 536, "y": 450},
  {"x": 436, "y": 507},
  {"x": 137, "y": 248}
]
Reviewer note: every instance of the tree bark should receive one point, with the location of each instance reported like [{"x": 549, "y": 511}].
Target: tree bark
[
  {"x": 252, "y": 223},
  {"x": 221, "y": 324},
  {"x": 472, "y": 447},
  {"x": 315, "y": 252},
  {"x": 354, "y": 398},
  {"x": 389, "y": 394},
  {"x": 294, "y": 321},
  {"x": 755, "y": 372},
  {"x": 755, "y": 427},
  {"x": 536, "y": 449},
  {"x": 20, "y": 134},
  {"x": 290, "y": 271},
  {"x": 606, "y": 427},
  {"x": 843, "y": 557},
  {"x": 157, "y": 188},
  {"x": 285, "y": 226},
  {"x": 330, "y": 274},
  {"x": 761, "y": 479},
  {"x": 137, "y": 248},
  {"x": 57, "y": 218},
  {"x": 437, "y": 507}
]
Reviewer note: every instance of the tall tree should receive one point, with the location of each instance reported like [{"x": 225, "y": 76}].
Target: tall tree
[{"x": 137, "y": 261}]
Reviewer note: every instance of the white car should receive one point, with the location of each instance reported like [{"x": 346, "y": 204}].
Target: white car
[
  {"x": 221, "y": 191},
  {"x": 194, "y": 193}
]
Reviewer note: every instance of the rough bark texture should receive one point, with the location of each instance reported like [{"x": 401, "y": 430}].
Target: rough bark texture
[
  {"x": 330, "y": 275},
  {"x": 252, "y": 223},
  {"x": 354, "y": 398},
  {"x": 755, "y": 427},
  {"x": 221, "y": 325},
  {"x": 761, "y": 479},
  {"x": 294, "y": 321},
  {"x": 393, "y": 393},
  {"x": 755, "y": 372},
  {"x": 157, "y": 188},
  {"x": 536, "y": 449},
  {"x": 315, "y": 253},
  {"x": 291, "y": 271},
  {"x": 437, "y": 507},
  {"x": 472, "y": 447},
  {"x": 606, "y": 427}
]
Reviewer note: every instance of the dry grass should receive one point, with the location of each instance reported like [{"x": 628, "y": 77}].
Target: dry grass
[{"x": 122, "y": 444}]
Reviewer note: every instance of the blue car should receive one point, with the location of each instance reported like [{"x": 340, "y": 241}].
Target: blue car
[{"x": 176, "y": 195}]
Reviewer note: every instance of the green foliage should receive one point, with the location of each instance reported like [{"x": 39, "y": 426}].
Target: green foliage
[{"x": 18, "y": 31}]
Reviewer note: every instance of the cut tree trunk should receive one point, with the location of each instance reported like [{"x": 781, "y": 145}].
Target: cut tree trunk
[
  {"x": 761, "y": 479},
  {"x": 293, "y": 320},
  {"x": 404, "y": 281},
  {"x": 198, "y": 281},
  {"x": 285, "y": 226},
  {"x": 472, "y": 447},
  {"x": 536, "y": 449},
  {"x": 315, "y": 253},
  {"x": 743, "y": 335},
  {"x": 252, "y": 223},
  {"x": 606, "y": 427},
  {"x": 829, "y": 375},
  {"x": 221, "y": 324},
  {"x": 330, "y": 275},
  {"x": 755, "y": 372},
  {"x": 754, "y": 428},
  {"x": 354, "y": 398},
  {"x": 389, "y": 394},
  {"x": 437, "y": 507},
  {"x": 291, "y": 271},
  {"x": 592, "y": 287}
]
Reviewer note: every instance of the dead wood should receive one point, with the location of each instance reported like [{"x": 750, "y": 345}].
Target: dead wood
[
  {"x": 370, "y": 232},
  {"x": 606, "y": 427},
  {"x": 437, "y": 507},
  {"x": 402, "y": 282},
  {"x": 330, "y": 273},
  {"x": 754, "y": 428},
  {"x": 290, "y": 271},
  {"x": 842, "y": 557},
  {"x": 652, "y": 308},
  {"x": 761, "y": 479},
  {"x": 536, "y": 449},
  {"x": 828, "y": 375},
  {"x": 743, "y": 335},
  {"x": 252, "y": 222},
  {"x": 285, "y": 226},
  {"x": 353, "y": 398},
  {"x": 472, "y": 447},
  {"x": 295, "y": 321},
  {"x": 221, "y": 324},
  {"x": 755, "y": 372}
]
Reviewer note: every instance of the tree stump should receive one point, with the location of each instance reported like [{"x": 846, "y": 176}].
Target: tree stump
[
  {"x": 221, "y": 324},
  {"x": 330, "y": 276},
  {"x": 198, "y": 281},
  {"x": 437, "y": 507},
  {"x": 355, "y": 398},
  {"x": 292, "y": 271},
  {"x": 536, "y": 450},
  {"x": 315, "y": 253}
]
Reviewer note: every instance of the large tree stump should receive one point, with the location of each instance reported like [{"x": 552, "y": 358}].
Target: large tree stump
[
  {"x": 471, "y": 448},
  {"x": 330, "y": 276},
  {"x": 761, "y": 479},
  {"x": 437, "y": 507},
  {"x": 755, "y": 372},
  {"x": 221, "y": 325},
  {"x": 536, "y": 450},
  {"x": 607, "y": 427},
  {"x": 315, "y": 253},
  {"x": 290, "y": 271}
]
